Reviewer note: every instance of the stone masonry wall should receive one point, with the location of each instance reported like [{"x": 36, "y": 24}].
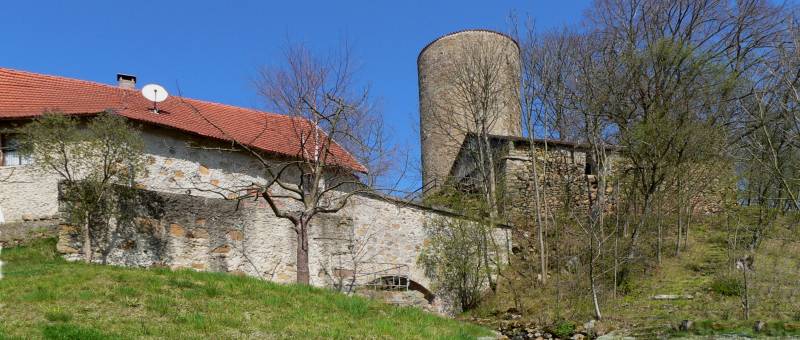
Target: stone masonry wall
[
  {"x": 27, "y": 195},
  {"x": 175, "y": 162},
  {"x": 182, "y": 231},
  {"x": 213, "y": 234},
  {"x": 564, "y": 181}
]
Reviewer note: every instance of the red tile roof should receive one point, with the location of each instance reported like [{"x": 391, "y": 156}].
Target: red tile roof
[{"x": 25, "y": 95}]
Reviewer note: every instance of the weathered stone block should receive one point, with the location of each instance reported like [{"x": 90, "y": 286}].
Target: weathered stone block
[
  {"x": 127, "y": 245},
  {"x": 223, "y": 249},
  {"x": 176, "y": 230},
  {"x": 63, "y": 248},
  {"x": 67, "y": 229},
  {"x": 198, "y": 233},
  {"x": 235, "y": 235}
]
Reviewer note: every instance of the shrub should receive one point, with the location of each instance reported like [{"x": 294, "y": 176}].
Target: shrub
[
  {"x": 563, "y": 329},
  {"x": 727, "y": 286},
  {"x": 454, "y": 260},
  {"x": 56, "y": 314}
]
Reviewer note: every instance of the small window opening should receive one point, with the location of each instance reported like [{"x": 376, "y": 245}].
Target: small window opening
[
  {"x": 9, "y": 151},
  {"x": 590, "y": 168}
]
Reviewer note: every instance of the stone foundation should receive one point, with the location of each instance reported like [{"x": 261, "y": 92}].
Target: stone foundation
[{"x": 16, "y": 233}]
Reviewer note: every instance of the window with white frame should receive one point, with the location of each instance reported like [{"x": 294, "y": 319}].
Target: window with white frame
[{"x": 9, "y": 151}]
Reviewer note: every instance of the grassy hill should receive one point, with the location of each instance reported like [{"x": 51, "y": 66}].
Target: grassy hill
[
  {"x": 705, "y": 279},
  {"x": 706, "y": 274},
  {"x": 43, "y": 296}
]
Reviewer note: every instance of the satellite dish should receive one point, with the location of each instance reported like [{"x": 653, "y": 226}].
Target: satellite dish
[{"x": 155, "y": 93}]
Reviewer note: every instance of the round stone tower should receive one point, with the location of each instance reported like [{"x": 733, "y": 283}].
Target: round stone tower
[{"x": 447, "y": 68}]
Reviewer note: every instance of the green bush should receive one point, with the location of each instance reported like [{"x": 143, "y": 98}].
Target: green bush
[
  {"x": 563, "y": 329},
  {"x": 454, "y": 260},
  {"x": 727, "y": 286}
]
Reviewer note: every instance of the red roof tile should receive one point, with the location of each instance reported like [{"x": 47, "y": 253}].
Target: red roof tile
[{"x": 25, "y": 94}]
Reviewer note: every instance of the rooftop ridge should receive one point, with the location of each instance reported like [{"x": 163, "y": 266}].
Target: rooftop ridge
[
  {"x": 56, "y": 77},
  {"x": 25, "y": 95},
  {"x": 116, "y": 88}
]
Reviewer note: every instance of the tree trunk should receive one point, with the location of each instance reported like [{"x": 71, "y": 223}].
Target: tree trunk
[
  {"x": 595, "y": 302},
  {"x": 303, "y": 276},
  {"x": 539, "y": 219},
  {"x": 745, "y": 293},
  {"x": 681, "y": 203},
  {"x": 87, "y": 241},
  {"x": 680, "y": 232},
  {"x": 635, "y": 233},
  {"x": 689, "y": 211},
  {"x": 659, "y": 241},
  {"x": 486, "y": 263},
  {"x": 490, "y": 185}
]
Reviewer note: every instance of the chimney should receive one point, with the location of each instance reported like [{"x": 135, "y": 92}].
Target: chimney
[{"x": 126, "y": 81}]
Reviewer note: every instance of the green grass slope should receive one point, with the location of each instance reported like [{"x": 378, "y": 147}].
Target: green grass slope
[
  {"x": 703, "y": 276},
  {"x": 43, "y": 296},
  {"x": 706, "y": 273}
]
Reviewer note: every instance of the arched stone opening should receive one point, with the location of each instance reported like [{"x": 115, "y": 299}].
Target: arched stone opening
[{"x": 401, "y": 283}]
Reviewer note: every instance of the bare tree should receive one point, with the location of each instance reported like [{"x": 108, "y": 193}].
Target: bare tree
[
  {"x": 666, "y": 74},
  {"x": 769, "y": 133},
  {"x": 662, "y": 81},
  {"x": 337, "y": 135},
  {"x": 549, "y": 64}
]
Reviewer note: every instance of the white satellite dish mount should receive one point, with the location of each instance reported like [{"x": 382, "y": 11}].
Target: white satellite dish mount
[{"x": 155, "y": 93}]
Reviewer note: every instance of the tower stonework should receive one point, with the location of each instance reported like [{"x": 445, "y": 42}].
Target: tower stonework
[{"x": 445, "y": 114}]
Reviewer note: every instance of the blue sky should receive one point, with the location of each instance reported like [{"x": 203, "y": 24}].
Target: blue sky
[{"x": 212, "y": 49}]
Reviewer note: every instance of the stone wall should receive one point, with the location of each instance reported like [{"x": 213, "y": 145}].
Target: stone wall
[
  {"x": 27, "y": 194},
  {"x": 213, "y": 234},
  {"x": 564, "y": 180},
  {"x": 182, "y": 231},
  {"x": 175, "y": 162},
  {"x": 564, "y": 176},
  {"x": 567, "y": 179},
  {"x": 17, "y": 233}
]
